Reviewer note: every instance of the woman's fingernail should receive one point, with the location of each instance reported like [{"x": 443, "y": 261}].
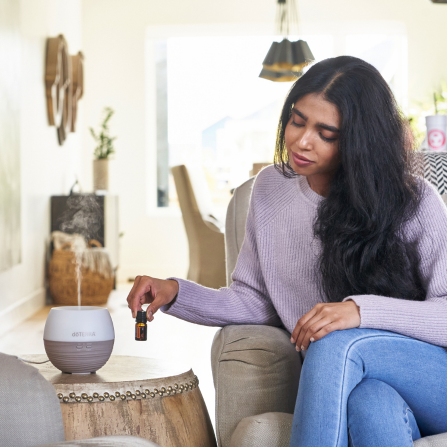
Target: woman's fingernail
[
  {"x": 312, "y": 339},
  {"x": 298, "y": 349},
  {"x": 302, "y": 347},
  {"x": 292, "y": 340}
]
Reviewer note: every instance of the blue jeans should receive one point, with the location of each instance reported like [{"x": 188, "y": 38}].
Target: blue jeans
[{"x": 370, "y": 388}]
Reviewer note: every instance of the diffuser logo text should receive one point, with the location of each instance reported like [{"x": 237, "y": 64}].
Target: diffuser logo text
[{"x": 83, "y": 334}]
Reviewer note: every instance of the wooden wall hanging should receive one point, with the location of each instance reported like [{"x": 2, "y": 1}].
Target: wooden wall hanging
[
  {"x": 64, "y": 85},
  {"x": 77, "y": 70}
]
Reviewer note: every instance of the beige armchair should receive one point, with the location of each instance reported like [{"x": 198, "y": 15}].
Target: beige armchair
[
  {"x": 206, "y": 240},
  {"x": 255, "y": 368}
]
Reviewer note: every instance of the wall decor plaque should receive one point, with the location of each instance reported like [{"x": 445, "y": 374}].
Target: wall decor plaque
[
  {"x": 77, "y": 76},
  {"x": 64, "y": 86}
]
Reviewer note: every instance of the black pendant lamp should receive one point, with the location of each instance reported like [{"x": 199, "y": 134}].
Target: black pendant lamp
[{"x": 285, "y": 60}]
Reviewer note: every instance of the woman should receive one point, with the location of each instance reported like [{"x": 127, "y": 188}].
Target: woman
[{"x": 347, "y": 249}]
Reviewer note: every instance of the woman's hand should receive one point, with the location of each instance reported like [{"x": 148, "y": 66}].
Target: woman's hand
[
  {"x": 323, "y": 319},
  {"x": 153, "y": 291}
]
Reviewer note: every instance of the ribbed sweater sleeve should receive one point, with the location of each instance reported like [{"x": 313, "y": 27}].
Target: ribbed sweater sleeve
[
  {"x": 246, "y": 301},
  {"x": 423, "y": 320}
]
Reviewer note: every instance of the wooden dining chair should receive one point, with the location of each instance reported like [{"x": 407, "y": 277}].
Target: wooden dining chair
[{"x": 205, "y": 238}]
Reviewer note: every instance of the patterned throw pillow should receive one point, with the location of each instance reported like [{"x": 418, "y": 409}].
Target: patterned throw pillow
[{"x": 435, "y": 169}]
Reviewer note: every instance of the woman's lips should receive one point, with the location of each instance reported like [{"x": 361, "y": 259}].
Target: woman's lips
[{"x": 300, "y": 161}]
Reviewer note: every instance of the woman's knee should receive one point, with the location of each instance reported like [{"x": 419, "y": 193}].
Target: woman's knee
[
  {"x": 340, "y": 343},
  {"x": 375, "y": 403},
  {"x": 370, "y": 396}
]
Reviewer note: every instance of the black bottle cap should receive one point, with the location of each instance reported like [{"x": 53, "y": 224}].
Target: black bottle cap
[{"x": 141, "y": 317}]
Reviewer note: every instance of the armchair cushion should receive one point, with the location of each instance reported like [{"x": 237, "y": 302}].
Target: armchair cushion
[
  {"x": 432, "y": 441},
  {"x": 268, "y": 429},
  {"x": 274, "y": 429},
  {"x": 255, "y": 370}
]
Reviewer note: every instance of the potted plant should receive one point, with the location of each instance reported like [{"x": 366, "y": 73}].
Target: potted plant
[{"x": 102, "y": 152}]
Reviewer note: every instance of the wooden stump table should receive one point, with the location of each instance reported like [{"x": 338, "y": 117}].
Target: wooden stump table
[{"x": 150, "y": 398}]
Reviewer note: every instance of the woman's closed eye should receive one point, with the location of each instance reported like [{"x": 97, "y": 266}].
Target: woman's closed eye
[
  {"x": 297, "y": 124},
  {"x": 328, "y": 140}
]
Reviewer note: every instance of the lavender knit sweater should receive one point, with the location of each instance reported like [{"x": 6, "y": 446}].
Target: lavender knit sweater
[{"x": 276, "y": 280}]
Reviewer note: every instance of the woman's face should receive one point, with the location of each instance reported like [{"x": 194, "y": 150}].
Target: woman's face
[{"x": 312, "y": 133}]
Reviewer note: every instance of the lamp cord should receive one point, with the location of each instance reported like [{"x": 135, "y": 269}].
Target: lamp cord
[
  {"x": 30, "y": 361},
  {"x": 287, "y": 17}
]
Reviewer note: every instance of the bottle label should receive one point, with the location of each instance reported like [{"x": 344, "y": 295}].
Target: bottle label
[{"x": 140, "y": 333}]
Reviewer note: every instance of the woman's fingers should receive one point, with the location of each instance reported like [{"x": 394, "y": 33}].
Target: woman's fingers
[
  {"x": 328, "y": 328},
  {"x": 160, "y": 300},
  {"x": 164, "y": 296},
  {"x": 316, "y": 324},
  {"x": 300, "y": 340},
  {"x": 325, "y": 318},
  {"x": 302, "y": 321},
  {"x": 139, "y": 293},
  {"x": 157, "y": 292},
  {"x": 129, "y": 297}
]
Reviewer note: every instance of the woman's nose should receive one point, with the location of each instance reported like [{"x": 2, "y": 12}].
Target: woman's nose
[{"x": 305, "y": 140}]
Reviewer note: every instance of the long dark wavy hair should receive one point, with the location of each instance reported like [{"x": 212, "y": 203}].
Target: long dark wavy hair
[{"x": 375, "y": 190}]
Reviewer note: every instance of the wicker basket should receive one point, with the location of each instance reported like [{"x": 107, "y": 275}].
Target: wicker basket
[{"x": 95, "y": 288}]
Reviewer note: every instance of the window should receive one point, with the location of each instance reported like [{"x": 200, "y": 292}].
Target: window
[
  {"x": 215, "y": 112},
  {"x": 220, "y": 114},
  {"x": 388, "y": 53}
]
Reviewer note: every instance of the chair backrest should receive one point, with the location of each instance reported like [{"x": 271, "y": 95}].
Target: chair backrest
[
  {"x": 433, "y": 166},
  {"x": 192, "y": 218},
  {"x": 205, "y": 238},
  {"x": 185, "y": 194},
  {"x": 30, "y": 412},
  {"x": 200, "y": 190},
  {"x": 235, "y": 224},
  {"x": 193, "y": 193}
]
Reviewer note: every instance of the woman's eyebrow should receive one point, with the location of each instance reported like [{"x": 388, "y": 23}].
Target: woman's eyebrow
[
  {"x": 297, "y": 112},
  {"x": 322, "y": 125}
]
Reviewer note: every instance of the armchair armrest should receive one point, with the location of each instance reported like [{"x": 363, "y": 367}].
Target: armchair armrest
[{"x": 256, "y": 370}]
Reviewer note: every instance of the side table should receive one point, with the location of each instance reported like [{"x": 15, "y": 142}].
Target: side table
[{"x": 150, "y": 398}]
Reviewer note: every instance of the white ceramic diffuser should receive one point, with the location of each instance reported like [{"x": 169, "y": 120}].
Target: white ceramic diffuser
[{"x": 79, "y": 339}]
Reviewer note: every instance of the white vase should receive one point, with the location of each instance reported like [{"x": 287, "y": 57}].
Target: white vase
[
  {"x": 436, "y": 132},
  {"x": 101, "y": 175}
]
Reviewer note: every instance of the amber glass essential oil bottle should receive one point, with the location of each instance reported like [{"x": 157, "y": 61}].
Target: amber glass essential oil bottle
[{"x": 141, "y": 326}]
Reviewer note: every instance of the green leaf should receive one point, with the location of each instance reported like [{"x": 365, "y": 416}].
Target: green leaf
[
  {"x": 105, "y": 141},
  {"x": 93, "y": 133}
]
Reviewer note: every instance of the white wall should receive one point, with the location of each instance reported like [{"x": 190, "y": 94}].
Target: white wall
[
  {"x": 113, "y": 41},
  {"x": 46, "y": 168},
  {"x": 111, "y": 33}
]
